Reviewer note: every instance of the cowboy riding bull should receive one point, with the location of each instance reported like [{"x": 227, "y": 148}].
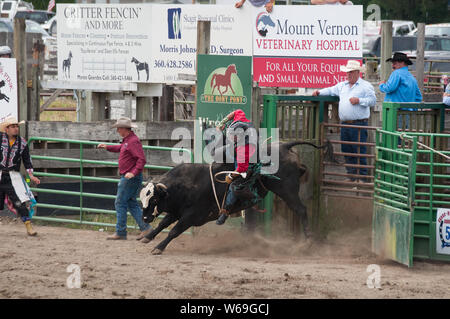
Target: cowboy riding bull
[{"x": 189, "y": 194}]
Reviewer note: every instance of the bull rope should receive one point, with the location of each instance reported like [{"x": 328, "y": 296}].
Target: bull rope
[{"x": 214, "y": 190}]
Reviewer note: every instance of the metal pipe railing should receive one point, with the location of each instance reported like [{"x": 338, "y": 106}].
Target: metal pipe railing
[{"x": 81, "y": 209}]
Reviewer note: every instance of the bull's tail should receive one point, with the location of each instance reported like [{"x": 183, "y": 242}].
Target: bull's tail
[{"x": 329, "y": 153}]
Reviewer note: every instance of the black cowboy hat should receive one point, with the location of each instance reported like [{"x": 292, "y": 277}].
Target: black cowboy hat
[{"x": 400, "y": 57}]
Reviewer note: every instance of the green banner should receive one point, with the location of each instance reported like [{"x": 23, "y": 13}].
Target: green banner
[{"x": 224, "y": 84}]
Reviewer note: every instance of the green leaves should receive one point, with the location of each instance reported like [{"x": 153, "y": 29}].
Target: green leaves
[{"x": 427, "y": 11}]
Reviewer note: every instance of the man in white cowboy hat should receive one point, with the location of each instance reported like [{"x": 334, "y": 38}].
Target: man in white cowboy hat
[
  {"x": 5, "y": 51},
  {"x": 356, "y": 97},
  {"x": 14, "y": 150},
  {"x": 131, "y": 164}
]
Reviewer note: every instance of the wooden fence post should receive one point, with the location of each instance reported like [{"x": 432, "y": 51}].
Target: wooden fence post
[
  {"x": 420, "y": 56},
  {"x": 20, "y": 53},
  {"x": 386, "y": 49}
]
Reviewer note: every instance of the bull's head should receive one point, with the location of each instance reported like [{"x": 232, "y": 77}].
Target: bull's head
[{"x": 152, "y": 196}]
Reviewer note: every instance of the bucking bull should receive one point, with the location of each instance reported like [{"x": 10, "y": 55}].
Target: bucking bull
[{"x": 186, "y": 195}]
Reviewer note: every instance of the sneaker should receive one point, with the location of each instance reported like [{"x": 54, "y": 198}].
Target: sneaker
[{"x": 116, "y": 237}]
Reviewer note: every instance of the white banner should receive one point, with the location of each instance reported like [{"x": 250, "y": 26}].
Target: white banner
[
  {"x": 443, "y": 231},
  {"x": 308, "y": 31},
  {"x": 143, "y": 42},
  {"x": 8, "y": 88},
  {"x": 175, "y": 41},
  {"x": 104, "y": 42}
]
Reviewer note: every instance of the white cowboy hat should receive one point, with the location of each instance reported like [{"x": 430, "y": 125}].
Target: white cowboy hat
[
  {"x": 5, "y": 50},
  {"x": 124, "y": 122},
  {"x": 10, "y": 120},
  {"x": 352, "y": 65}
]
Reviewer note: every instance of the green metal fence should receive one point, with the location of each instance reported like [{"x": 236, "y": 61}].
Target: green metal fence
[
  {"x": 81, "y": 209},
  {"x": 393, "y": 197},
  {"x": 297, "y": 117},
  {"x": 432, "y": 191},
  {"x": 412, "y": 181}
]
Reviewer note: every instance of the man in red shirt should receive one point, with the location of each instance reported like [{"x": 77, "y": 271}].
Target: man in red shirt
[{"x": 131, "y": 165}]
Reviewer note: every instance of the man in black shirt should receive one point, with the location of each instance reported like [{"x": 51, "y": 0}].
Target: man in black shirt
[{"x": 14, "y": 149}]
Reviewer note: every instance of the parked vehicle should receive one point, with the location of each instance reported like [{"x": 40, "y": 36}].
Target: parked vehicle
[
  {"x": 440, "y": 29},
  {"x": 399, "y": 27},
  {"x": 402, "y": 27},
  {"x": 6, "y": 25},
  {"x": 10, "y": 8},
  {"x": 372, "y": 30},
  {"x": 50, "y": 26},
  {"x": 407, "y": 44},
  {"x": 39, "y": 16},
  {"x": 433, "y": 61},
  {"x": 34, "y": 27}
]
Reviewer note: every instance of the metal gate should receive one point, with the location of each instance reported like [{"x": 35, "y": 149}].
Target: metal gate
[
  {"x": 412, "y": 181},
  {"x": 85, "y": 213},
  {"x": 298, "y": 118}
]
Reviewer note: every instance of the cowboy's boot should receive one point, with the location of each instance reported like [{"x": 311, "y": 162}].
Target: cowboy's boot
[
  {"x": 30, "y": 230},
  {"x": 222, "y": 217}
]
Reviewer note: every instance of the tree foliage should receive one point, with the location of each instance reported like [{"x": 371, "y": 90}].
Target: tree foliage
[
  {"x": 427, "y": 11},
  {"x": 43, "y": 4}
]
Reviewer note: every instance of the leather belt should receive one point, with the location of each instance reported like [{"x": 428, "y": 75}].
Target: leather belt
[{"x": 356, "y": 121}]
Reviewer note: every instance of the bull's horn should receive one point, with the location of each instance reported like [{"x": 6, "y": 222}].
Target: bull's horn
[{"x": 161, "y": 185}]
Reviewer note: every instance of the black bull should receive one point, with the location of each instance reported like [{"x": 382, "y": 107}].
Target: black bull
[{"x": 185, "y": 193}]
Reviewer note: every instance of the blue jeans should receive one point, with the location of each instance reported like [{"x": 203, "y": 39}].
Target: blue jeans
[
  {"x": 350, "y": 134},
  {"x": 127, "y": 192},
  {"x": 400, "y": 121}
]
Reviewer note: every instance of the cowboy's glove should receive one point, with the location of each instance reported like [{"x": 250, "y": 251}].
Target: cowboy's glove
[{"x": 229, "y": 179}]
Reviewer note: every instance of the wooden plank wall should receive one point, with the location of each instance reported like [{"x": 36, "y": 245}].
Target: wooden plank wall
[
  {"x": 6, "y": 38},
  {"x": 150, "y": 133}
]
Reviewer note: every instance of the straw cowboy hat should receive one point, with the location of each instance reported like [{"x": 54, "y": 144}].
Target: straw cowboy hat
[
  {"x": 10, "y": 120},
  {"x": 400, "y": 57},
  {"x": 124, "y": 122},
  {"x": 352, "y": 65}
]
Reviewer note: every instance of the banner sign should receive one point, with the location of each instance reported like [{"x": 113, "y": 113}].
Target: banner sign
[
  {"x": 175, "y": 37},
  {"x": 303, "y": 46},
  {"x": 224, "y": 85},
  {"x": 143, "y": 42},
  {"x": 8, "y": 88},
  {"x": 104, "y": 42},
  {"x": 443, "y": 231}
]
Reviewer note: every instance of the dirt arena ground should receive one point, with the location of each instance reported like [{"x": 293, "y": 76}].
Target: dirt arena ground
[{"x": 222, "y": 264}]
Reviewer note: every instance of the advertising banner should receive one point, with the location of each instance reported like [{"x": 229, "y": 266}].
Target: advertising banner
[
  {"x": 175, "y": 41},
  {"x": 303, "y": 46},
  {"x": 143, "y": 42},
  {"x": 443, "y": 231},
  {"x": 108, "y": 42},
  {"x": 224, "y": 85},
  {"x": 8, "y": 88}
]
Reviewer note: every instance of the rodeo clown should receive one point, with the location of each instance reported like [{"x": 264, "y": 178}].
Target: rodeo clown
[
  {"x": 242, "y": 134},
  {"x": 13, "y": 189}
]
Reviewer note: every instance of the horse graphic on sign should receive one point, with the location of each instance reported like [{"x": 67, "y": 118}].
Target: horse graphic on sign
[
  {"x": 3, "y": 96},
  {"x": 66, "y": 65},
  {"x": 140, "y": 66},
  {"x": 223, "y": 80}
]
